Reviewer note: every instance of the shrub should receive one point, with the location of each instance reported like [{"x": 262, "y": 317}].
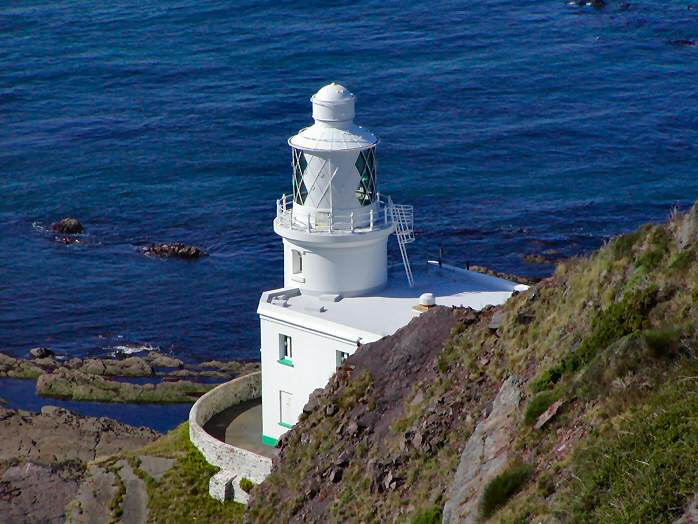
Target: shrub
[
  {"x": 504, "y": 486},
  {"x": 651, "y": 259},
  {"x": 682, "y": 260},
  {"x": 537, "y": 405},
  {"x": 622, "y": 246},
  {"x": 662, "y": 343},
  {"x": 431, "y": 515},
  {"x": 246, "y": 484}
]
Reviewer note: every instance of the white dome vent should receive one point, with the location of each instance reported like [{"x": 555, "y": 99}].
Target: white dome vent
[
  {"x": 333, "y": 103},
  {"x": 427, "y": 299}
]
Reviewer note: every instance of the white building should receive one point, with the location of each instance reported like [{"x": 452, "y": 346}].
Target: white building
[{"x": 338, "y": 291}]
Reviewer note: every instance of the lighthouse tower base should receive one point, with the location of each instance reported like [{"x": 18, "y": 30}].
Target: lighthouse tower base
[{"x": 350, "y": 265}]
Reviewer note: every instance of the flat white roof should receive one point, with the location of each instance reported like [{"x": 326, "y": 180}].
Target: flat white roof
[{"x": 385, "y": 311}]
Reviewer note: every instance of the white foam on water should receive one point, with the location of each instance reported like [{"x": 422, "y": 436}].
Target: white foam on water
[{"x": 130, "y": 349}]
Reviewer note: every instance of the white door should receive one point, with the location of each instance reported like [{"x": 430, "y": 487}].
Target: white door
[{"x": 286, "y": 402}]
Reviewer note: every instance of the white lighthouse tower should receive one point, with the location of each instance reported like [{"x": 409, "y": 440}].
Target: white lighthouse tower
[
  {"x": 334, "y": 227},
  {"x": 338, "y": 292}
]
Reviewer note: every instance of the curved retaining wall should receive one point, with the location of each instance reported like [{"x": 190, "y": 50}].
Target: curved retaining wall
[{"x": 235, "y": 463}]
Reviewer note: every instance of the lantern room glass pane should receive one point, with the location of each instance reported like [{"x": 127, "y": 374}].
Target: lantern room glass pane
[
  {"x": 299, "y": 163},
  {"x": 366, "y": 166}
]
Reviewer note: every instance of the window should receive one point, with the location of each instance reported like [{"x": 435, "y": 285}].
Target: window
[
  {"x": 296, "y": 262},
  {"x": 366, "y": 166},
  {"x": 285, "y": 350},
  {"x": 341, "y": 357},
  {"x": 299, "y": 163},
  {"x": 285, "y": 409}
]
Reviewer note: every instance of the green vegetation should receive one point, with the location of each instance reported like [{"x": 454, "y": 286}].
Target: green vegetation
[
  {"x": 431, "y": 515},
  {"x": 645, "y": 471},
  {"x": 538, "y": 404},
  {"x": 246, "y": 484},
  {"x": 181, "y": 495},
  {"x": 619, "y": 319},
  {"x": 504, "y": 486},
  {"x": 614, "y": 334}
]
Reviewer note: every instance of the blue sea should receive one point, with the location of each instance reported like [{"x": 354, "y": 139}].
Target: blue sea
[{"x": 512, "y": 127}]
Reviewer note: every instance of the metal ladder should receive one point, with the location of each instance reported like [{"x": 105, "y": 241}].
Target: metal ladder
[{"x": 402, "y": 218}]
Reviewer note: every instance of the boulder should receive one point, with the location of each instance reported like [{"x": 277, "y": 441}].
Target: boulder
[
  {"x": 67, "y": 226},
  {"x": 41, "y": 352},
  {"x": 158, "y": 360},
  {"x": 128, "y": 367},
  {"x": 18, "y": 368},
  {"x": 178, "y": 250}
]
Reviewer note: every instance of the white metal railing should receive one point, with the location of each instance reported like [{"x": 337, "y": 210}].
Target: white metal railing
[
  {"x": 370, "y": 218},
  {"x": 402, "y": 217}
]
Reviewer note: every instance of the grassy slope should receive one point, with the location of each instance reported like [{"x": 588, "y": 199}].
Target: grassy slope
[
  {"x": 181, "y": 495},
  {"x": 612, "y": 334}
]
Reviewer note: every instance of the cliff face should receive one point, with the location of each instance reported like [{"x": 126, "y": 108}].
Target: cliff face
[{"x": 574, "y": 402}]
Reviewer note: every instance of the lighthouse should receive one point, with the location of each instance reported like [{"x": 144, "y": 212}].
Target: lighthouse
[
  {"x": 338, "y": 292},
  {"x": 334, "y": 226}
]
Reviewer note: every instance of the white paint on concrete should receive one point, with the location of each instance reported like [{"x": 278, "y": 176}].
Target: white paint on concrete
[{"x": 235, "y": 462}]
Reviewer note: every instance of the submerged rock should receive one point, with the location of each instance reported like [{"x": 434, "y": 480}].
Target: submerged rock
[
  {"x": 68, "y": 226},
  {"x": 178, "y": 250}
]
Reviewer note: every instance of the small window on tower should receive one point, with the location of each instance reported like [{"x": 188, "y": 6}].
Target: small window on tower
[
  {"x": 299, "y": 163},
  {"x": 296, "y": 262},
  {"x": 366, "y": 166},
  {"x": 285, "y": 350}
]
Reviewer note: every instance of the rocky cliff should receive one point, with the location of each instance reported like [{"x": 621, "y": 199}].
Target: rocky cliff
[{"x": 574, "y": 402}]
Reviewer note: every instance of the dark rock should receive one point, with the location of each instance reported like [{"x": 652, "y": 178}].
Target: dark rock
[
  {"x": 41, "y": 352},
  {"x": 335, "y": 475},
  {"x": 67, "y": 226},
  {"x": 506, "y": 276},
  {"x": 683, "y": 42},
  {"x": 178, "y": 250}
]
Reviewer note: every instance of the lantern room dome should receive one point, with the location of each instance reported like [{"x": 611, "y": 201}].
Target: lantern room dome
[{"x": 334, "y": 128}]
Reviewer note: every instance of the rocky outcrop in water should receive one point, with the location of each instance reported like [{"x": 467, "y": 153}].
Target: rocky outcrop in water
[
  {"x": 73, "y": 384},
  {"x": 68, "y": 226},
  {"x": 177, "y": 250}
]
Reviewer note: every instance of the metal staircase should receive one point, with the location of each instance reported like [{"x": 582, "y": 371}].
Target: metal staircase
[{"x": 402, "y": 218}]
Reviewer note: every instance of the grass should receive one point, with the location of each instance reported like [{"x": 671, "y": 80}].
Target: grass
[
  {"x": 431, "y": 515},
  {"x": 504, "y": 486},
  {"x": 246, "y": 484},
  {"x": 181, "y": 495},
  {"x": 619, "y": 319},
  {"x": 645, "y": 470}
]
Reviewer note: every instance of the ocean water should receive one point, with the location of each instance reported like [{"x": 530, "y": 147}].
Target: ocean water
[{"x": 512, "y": 127}]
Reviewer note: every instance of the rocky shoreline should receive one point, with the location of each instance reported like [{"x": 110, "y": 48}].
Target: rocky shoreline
[
  {"x": 58, "y": 466},
  {"x": 44, "y": 458},
  {"x": 106, "y": 379}
]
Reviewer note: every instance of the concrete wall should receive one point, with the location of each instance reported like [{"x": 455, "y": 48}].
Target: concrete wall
[
  {"x": 314, "y": 362},
  {"x": 235, "y": 463}
]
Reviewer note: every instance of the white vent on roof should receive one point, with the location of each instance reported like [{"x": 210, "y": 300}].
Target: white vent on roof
[{"x": 427, "y": 299}]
